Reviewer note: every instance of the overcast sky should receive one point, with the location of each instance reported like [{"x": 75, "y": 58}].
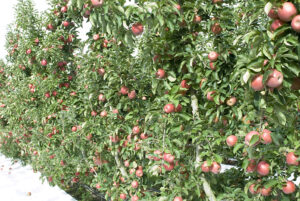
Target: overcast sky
[{"x": 7, "y": 17}]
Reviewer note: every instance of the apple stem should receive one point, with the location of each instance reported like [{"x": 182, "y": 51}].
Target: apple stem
[{"x": 206, "y": 186}]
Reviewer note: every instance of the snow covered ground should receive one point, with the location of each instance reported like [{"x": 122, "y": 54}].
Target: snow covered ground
[{"x": 19, "y": 183}]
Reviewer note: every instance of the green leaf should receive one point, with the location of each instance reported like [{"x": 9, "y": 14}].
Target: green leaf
[
  {"x": 281, "y": 117},
  {"x": 237, "y": 147},
  {"x": 254, "y": 139}
]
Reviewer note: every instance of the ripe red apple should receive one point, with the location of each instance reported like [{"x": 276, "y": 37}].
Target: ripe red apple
[
  {"x": 216, "y": 28},
  {"x": 249, "y": 136},
  {"x": 178, "y": 108},
  {"x": 217, "y": 1},
  {"x": 252, "y": 189},
  {"x": 178, "y": 199},
  {"x": 124, "y": 90},
  {"x": 201, "y": 82},
  {"x": 273, "y": 14},
  {"x": 292, "y": 159},
  {"x": 139, "y": 173},
  {"x": 64, "y": 9},
  {"x": 137, "y": 29},
  {"x": 74, "y": 128},
  {"x": 101, "y": 98},
  {"x": 101, "y": 71},
  {"x": 296, "y": 23},
  {"x": 257, "y": 83},
  {"x": 231, "y": 140},
  {"x": 94, "y": 113},
  {"x": 231, "y": 101},
  {"x": 169, "y": 108},
  {"x": 160, "y": 73},
  {"x": 266, "y": 191},
  {"x": 252, "y": 166},
  {"x": 205, "y": 167},
  {"x": 289, "y": 187},
  {"x": 66, "y": 23},
  {"x": 197, "y": 19},
  {"x": 275, "y": 79},
  {"x": 209, "y": 95},
  {"x": 212, "y": 66},
  {"x": 44, "y": 62},
  {"x": 136, "y": 130},
  {"x": 169, "y": 158},
  {"x": 178, "y": 7},
  {"x": 134, "y": 184},
  {"x": 266, "y": 136},
  {"x": 287, "y": 11},
  {"x": 144, "y": 136},
  {"x": 215, "y": 168},
  {"x": 276, "y": 24},
  {"x": 159, "y": 154},
  {"x": 296, "y": 83},
  {"x": 123, "y": 196},
  {"x": 132, "y": 95},
  {"x": 184, "y": 84},
  {"x": 263, "y": 168},
  {"x": 213, "y": 56},
  {"x": 50, "y": 27},
  {"x": 134, "y": 198},
  {"x": 28, "y": 51},
  {"x": 96, "y": 37},
  {"x": 169, "y": 167},
  {"x": 97, "y": 3}
]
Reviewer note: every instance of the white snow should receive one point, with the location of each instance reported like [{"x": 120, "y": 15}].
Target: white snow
[{"x": 18, "y": 182}]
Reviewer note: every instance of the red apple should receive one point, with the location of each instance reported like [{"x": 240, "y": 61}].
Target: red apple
[
  {"x": 28, "y": 51},
  {"x": 74, "y": 128},
  {"x": 231, "y": 140},
  {"x": 96, "y": 37},
  {"x": 216, "y": 28},
  {"x": 287, "y": 11},
  {"x": 252, "y": 189},
  {"x": 276, "y": 24},
  {"x": 97, "y": 3},
  {"x": 94, "y": 113},
  {"x": 44, "y": 62},
  {"x": 273, "y": 14},
  {"x": 292, "y": 159},
  {"x": 136, "y": 130},
  {"x": 257, "y": 83},
  {"x": 169, "y": 167},
  {"x": 184, "y": 84},
  {"x": 289, "y": 187},
  {"x": 144, "y": 136},
  {"x": 217, "y": 1},
  {"x": 134, "y": 198},
  {"x": 169, "y": 158},
  {"x": 160, "y": 73},
  {"x": 137, "y": 29},
  {"x": 212, "y": 66},
  {"x": 209, "y": 95},
  {"x": 266, "y": 191},
  {"x": 252, "y": 165},
  {"x": 178, "y": 108},
  {"x": 139, "y": 173},
  {"x": 178, "y": 199},
  {"x": 266, "y": 136},
  {"x": 231, "y": 101},
  {"x": 275, "y": 79},
  {"x": 169, "y": 108},
  {"x": 101, "y": 71},
  {"x": 213, "y": 56},
  {"x": 101, "y": 98},
  {"x": 205, "y": 167},
  {"x": 132, "y": 95},
  {"x": 64, "y": 9},
  {"x": 249, "y": 136},
  {"x": 197, "y": 19},
  {"x": 124, "y": 90},
  {"x": 66, "y": 23},
  {"x": 135, "y": 184},
  {"x": 263, "y": 168},
  {"x": 123, "y": 196},
  {"x": 215, "y": 168},
  {"x": 296, "y": 23}
]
